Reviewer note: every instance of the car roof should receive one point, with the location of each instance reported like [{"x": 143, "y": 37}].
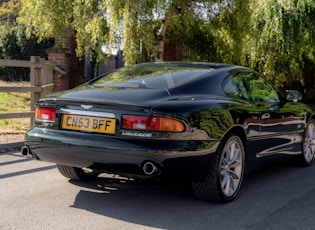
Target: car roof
[{"x": 209, "y": 65}]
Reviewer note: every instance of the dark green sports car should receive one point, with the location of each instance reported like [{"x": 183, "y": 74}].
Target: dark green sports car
[{"x": 209, "y": 123}]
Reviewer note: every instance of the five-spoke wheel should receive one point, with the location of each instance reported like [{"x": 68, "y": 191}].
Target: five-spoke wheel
[
  {"x": 225, "y": 172},
  {"x": 308, "y": 144},
  {"x": 231, "y": 168}
]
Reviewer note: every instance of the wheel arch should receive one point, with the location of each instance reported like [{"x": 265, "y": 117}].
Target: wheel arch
[
  {"x": 239, "y": 131},
  {"x": 311, "y": 117}
]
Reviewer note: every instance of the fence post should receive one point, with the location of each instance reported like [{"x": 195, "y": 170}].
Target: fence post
[
  {"x": 47, "y": 76},
  {"x": 35, "y": 69},
  {"x": 41, "y": 74}
]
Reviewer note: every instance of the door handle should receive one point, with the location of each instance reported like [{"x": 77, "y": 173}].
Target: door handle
[{"x": 265, "y": 116}]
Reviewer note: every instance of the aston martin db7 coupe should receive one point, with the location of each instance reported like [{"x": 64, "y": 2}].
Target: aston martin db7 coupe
[{"x": 208, "y": 123}]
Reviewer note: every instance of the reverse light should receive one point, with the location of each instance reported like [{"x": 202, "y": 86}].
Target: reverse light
[
  {"x": 151, "y": 123},
  {"x": 45, "y": 114}
]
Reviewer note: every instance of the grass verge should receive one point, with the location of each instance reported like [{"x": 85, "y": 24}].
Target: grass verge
[{"x": 14, "y": 102}]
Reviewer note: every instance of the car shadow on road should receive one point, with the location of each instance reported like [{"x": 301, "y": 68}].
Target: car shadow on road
[
  {"x": 171, "y": 204},
  {"x": 148, "y": 203}
]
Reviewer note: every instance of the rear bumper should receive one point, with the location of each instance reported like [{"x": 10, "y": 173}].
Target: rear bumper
[{"x": 122, "y": 156}]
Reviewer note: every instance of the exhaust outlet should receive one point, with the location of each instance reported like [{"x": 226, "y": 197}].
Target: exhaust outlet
[
  {"x": 150, "y": 169},
  {"x": 26, "y": 152}
]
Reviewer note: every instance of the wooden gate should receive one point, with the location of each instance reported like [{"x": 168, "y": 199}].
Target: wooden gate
[{"x": 41, "y": 83}]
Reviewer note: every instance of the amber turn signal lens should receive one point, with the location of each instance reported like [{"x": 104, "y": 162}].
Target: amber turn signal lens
[
  {"x": 170, "y": 125},
  {"x": 151, "y": 123}
]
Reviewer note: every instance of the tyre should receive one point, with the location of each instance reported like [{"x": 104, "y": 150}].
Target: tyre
[
  {"x": 74, "y": 173},
  {"x": 225, "y": 174},
  {"x": 308, "y": 144}
]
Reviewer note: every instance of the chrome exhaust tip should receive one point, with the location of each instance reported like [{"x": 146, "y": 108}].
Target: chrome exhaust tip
[
  {"x": 26, "y": 152},
  {"x": 150, "y": 169}
]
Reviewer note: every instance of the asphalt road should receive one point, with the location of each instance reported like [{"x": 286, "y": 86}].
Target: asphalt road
[{"x": 33, "y": 195}]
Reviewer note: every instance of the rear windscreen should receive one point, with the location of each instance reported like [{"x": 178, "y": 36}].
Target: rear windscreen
[{"x": 152, "y": 76}]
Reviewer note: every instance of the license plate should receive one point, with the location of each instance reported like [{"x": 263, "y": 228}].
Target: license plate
[{"x": 89, "y": 124}]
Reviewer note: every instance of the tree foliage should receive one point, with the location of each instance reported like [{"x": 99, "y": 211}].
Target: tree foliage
[
  {"x": 275, "y": 37},
  {"x": 222, "y": 37},
  {"x": 52, "y": 18},
  {"x": 14, "y": 45},
  {"x": 282, "y": 39},
  {"x": 141, "y": 23},
  {"x": 130, "y": 24},
  {"x": 11, "y": 46}
]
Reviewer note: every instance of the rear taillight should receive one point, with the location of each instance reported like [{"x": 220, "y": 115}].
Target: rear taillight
[
  {"x": 45, "y": 114},
  {"x": 151, "y": 123}
]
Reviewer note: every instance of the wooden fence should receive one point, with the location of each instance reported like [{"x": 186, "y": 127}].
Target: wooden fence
[{"x": 41, "y": 83}]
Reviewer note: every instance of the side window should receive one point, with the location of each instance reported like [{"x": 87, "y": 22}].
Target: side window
[
  {"x": 234, "y": 87},
  {"x": 259, "y": 89}
]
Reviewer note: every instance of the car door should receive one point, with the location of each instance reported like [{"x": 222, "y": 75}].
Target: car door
[{"x": 277, "y": 121}]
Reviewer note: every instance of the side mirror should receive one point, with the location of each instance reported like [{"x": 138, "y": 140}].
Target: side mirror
[{"x": 293, "y": 95}]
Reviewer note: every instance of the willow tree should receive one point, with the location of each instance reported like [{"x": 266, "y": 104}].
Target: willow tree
[
  {"x": 148, "y": 25},
  {"x": 129, "y": 24},
  {"x": 51, "y": 19},
  {"x": 282, "y": 39},
  {"x": 229, "y": 27}
]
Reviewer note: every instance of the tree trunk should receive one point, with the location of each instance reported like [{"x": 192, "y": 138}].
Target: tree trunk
[{"x": 161, "y": 37}]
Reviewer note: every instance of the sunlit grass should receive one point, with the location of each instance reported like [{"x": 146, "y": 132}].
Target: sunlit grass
[{"x": 11, "y": 103}]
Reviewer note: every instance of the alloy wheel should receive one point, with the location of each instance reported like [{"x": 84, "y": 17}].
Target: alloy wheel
[
  {"x": 231, "y": 168},
  {"x": 309, "y": 143}
]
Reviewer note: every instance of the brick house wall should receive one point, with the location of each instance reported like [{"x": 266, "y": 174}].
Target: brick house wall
[
  {"x": 114, "y": 62},
  {"x": 173, "y": 51},
  {"x": 59, "y": 57},
  {"x": 107, "y": 66},
  {"x": 76, "y": 67},
  {"x": 63, "y": 55}
]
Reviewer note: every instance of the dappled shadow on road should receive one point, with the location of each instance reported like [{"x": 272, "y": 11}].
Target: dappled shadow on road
[
  {"x": 14, "y": 162},
  {"x": 23, "y": 172},
  {"x": 17, "y": 160},
  {"x": 171, "y": 205}
]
